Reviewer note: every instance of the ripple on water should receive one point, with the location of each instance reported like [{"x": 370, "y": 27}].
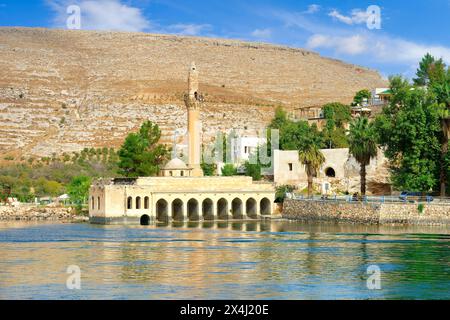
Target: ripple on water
[{"x": 272, "y": 261}]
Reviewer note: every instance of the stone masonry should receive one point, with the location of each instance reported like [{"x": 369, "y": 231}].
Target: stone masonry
[{"x": 358, "y": 212}]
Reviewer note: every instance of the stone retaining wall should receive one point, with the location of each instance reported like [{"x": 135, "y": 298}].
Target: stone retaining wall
[
  {"x": 380, "y": 213},
  {"x": 36, "y": 213}
]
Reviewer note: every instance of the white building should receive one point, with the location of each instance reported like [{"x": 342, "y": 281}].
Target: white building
[
  {"x": 244, "y": 147},
  {"x": 340, "y": 170}
]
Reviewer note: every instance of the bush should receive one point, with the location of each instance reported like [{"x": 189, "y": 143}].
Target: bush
[
  {"x": 253, "y": 170},
  {"x": 280, "y": 193},
  {"x": 229, "y": 170},
  {"x": 208, "y": 169}
]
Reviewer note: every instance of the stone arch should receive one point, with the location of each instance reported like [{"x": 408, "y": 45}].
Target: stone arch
[
  {"x": 330, "y": 172},
  {"x": 208, "y": 209},
  {"x": 177, "y": 210},
  {"x": 222, "y": 208},
  {"x": 146, "y": 203},
  {"x": 251, "y": 209},
  {"x": 129, "y": 203},
  {"x": 236, "y": 209},
  {"x": 193, "y": 210},
  {"x": 145, "y": 220},
  {"x": 138, "y": 202},
  {"x": 162, "y": 210},
  {"x": 265, "y": 207}
]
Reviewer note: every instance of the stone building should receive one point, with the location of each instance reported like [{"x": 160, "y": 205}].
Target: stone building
[
  {"x": 181, "y": 192},
  {"x": 179, "y": 199},
  {"x": 340, "y": 171}
]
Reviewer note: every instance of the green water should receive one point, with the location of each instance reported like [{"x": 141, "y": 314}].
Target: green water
[{"x": 277, "y": 260}]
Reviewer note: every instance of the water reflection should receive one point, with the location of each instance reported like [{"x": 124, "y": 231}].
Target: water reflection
[{"x": 223, "y": 260}]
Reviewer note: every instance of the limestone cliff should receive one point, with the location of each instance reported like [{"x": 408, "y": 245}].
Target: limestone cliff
[{"x": 65, "y": 90}]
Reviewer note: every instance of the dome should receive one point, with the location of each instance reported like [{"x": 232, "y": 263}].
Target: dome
[{"x": 175, "y": 164}]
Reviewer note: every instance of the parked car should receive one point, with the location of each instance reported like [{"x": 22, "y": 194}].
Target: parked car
[{"x": 408, "y": 196}]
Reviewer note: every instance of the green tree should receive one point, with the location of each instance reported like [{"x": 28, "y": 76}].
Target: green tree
[
  {"x": 409, "y": 130},
  {"x": 310, "y": 155},
  {"x": 430, "y": 69},
  {"x": 363, "y": 145},
  {"x": 78, "y": 189},
  {"x": 440, "y": 87},
  {"x": 44, "y": 187},
  {"x": 360, "y": 96},
  {"x": 141, "y": 154},
  {"x": 292, "y": 135},
  {"x": 280, "y": 119},
  {"x": 229, "y": 170},
  {"x": 313, "y": 159},
  {"x": 336, "y": 116}
]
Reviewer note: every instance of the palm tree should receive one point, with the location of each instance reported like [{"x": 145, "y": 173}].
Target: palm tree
[
  {"x": 363, "y": 145},
  {"x": 313, "y": 159}
]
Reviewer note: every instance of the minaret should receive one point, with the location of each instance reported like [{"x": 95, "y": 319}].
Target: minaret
[{"x": 193, "y": 103}]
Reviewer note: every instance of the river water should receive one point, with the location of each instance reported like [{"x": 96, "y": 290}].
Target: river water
[{"x": 262, "y": 260}]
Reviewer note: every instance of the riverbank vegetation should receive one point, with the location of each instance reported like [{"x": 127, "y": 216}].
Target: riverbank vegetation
[
  {"x": 413, "y": 129},
  {"x": 51, "y": 176}
]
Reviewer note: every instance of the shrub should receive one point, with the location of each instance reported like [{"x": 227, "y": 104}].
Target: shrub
[
  {"x": 208, "y": 169},
  {"x": 280, "y": 193},
  {"x": 229, "y": 170},
  {"x": 253, "y": 170}
]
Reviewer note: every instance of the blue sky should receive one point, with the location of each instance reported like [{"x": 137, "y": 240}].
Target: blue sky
[{"x": 336, "y": 29}]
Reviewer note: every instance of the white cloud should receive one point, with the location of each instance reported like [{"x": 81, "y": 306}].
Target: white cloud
[
  {"x": 357, "y": 16},
  {"x": 399, "y": 50},
  {"x": 352, "y": 45},
  {"x": 380, "y": 48},
  {"x": 102, "y": 15},
  {"x": 188, "y": 29},
  {"x": 262, "y": 33},
  {"x": 312, "y": 8}
]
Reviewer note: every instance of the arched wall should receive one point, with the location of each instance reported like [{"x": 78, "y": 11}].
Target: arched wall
[{"x": 183, "y": 210}]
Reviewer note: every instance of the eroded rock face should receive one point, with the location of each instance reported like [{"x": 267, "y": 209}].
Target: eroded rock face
[{"x": 61, "y": 91}]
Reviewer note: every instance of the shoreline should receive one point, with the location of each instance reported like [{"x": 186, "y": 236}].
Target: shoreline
[{"x": 33, "y": 213}]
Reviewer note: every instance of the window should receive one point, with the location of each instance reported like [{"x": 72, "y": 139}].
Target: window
[
  {"x": 93, "y": 203},
  {"x": 245, "y": 149},
  {"x": 130, "y": 203},
  {"x": 182, "y": 173},
  {"x": 146, "y": 203},
  {"x": 98, "y": 203},
  {"x": 171, "y": 173},
  {"x": 138, "y": 202},
  {"x": 290, "y": 166}
]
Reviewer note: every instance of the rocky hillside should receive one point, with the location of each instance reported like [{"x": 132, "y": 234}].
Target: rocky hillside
[{"x": 65, "y": 90}]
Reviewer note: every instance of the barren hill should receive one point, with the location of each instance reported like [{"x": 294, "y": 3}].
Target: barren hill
[{"x": 65, "y": 90}]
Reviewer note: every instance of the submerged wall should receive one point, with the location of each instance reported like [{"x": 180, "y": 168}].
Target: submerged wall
[{"x": 379, "y": 213}]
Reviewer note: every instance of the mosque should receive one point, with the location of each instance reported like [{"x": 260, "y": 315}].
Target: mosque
[{"x": 181, "y": 192}]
